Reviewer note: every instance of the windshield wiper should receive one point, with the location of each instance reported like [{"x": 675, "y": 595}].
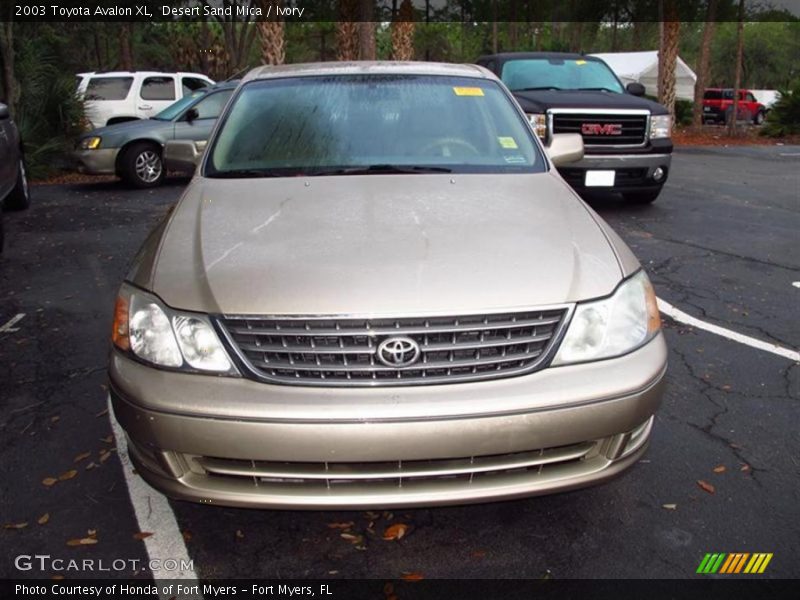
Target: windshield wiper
[
  {"x": 534, "y": 89},
  {"x": 244, "y": 173},
  {"x": 597, "y": 89},
  {"x": 382, "y": 169}
]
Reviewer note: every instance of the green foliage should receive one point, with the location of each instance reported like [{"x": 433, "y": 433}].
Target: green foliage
[
  {"x": 683, "y": 112},
  {"x": 49, "y": 114},
  {"x": 784, "y": 118}
]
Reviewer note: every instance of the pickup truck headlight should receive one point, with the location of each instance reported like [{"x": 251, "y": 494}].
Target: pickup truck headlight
[
  {"x": 91, "y": 143},
  {"x": 164, "y": 337},
  {"x": 613, "y": 326},
  {"x": 660, "y": 126},
  {"x": 539, "y": 124}
]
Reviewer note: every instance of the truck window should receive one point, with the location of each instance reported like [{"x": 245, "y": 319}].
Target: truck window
[
  {"x": 158, "y": 88},
  {"x": 712, "y": 95},
  {"x": 108, "y": 88},
  {"x": 192, "y": 84}
]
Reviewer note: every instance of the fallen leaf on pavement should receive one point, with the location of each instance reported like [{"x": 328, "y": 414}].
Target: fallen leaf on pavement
[
  {"x": 352, "y": 538},
  {"x": 705, "y": 486},
  {"x": 55, "y": 419},
  {"x": 101, "y": 413},
  {"x": 15, "y": 525},
  {"x": 87, "y": 541},
  {"x": 240, "y": 534},
  {"x": 347, "y": 525},
  {"x": 395, "y": 532},
  {"x": 68, "y": 475},
  {"x": 48, "y": 481},
  {"x": 91, "y": 465},
  {"x": 411, "y": 576},
  {"x": 43, "y": 519},
  {"x": 82, "y": 456},
  {"x": 142, "y": 535},
  {"x": 669, "y": 506},
  {"x": 745, "y": 468},
  {"x": 104, "y": 456},
  {"x": 720, "y": 469},
  {"x": 108, "y": 440}
]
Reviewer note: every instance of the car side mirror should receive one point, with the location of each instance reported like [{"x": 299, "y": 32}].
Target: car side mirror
[
  {"x": 4, "y": 114},
  {"x": 192, "y": 114},
  {"x": 183, "y": 155},
  {"x": 565, "y": 148},
  {"x": 634, "y": 88}
]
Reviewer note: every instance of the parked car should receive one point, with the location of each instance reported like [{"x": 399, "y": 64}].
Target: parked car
[
  {"x": 627, "y": 137},
  {"x": 14, "y": 191},
  {"x": 718, "y": 106},
  {"x": 119, "y": 96},
  {"x": 377, "y": 291},
  {"x": 133, "y": 150}
]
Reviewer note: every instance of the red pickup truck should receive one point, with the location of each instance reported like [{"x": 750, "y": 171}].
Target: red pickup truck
[{"x": 718, "y": 105}]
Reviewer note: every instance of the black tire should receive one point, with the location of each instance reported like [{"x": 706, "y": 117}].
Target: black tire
[
  {"x": 141, "y": 165},
  {"x": 20, "y": 196},
  {"x": 759, "y": 118},
  {"x": 645, "y": 197}
]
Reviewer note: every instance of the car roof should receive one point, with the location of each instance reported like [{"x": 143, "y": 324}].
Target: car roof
[
  {"x": 503, "y": 56},
  {"x": 130, "y": 73},
  {"x": 368, "y": 68}
]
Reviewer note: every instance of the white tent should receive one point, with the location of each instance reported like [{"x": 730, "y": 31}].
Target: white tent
[{"x": 643, "y": 67}]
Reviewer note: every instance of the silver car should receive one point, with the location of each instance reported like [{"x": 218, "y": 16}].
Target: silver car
[
  {"x": 14, "y": 191},
  {"x": 377, "y": 291}
]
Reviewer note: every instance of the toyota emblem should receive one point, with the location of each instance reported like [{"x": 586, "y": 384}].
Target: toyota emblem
[{"x": 398, "y": 352}]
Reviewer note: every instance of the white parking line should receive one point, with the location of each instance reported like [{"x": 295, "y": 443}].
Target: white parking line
[
  {"x": 678, "y": 315},
  {"x": 9, "y": 327},
  {"x": 154, "y": 515}
]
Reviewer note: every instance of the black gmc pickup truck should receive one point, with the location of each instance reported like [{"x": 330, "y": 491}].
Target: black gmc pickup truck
[{"x": 626, "y": 137}]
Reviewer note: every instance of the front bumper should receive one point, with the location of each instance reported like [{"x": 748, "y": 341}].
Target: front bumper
[
  {"x": 238, "y": 442},
  {"x": 102, "y": 161},
  {"x": 633, "y": 172}
]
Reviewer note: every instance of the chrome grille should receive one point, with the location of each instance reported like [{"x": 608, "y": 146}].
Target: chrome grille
[
  {"x": 633, "y": 126},
  {"x": 398, "y": 473},
  {"x": 329, "y": 351}
]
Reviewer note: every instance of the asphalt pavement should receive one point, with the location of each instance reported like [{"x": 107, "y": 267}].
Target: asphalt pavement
[{"x": 720, "y": 244}]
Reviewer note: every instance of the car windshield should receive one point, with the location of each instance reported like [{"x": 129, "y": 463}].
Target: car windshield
[
  {"x": 372, "y": 124},
  {"x": 560, "y": 74},
  {"x": 176, "y": 108}
]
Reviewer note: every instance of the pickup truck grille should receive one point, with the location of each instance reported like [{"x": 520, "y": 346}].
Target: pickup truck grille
[
  {"x": 332, "y": 351},
  {"x": 606, "y": 129}
]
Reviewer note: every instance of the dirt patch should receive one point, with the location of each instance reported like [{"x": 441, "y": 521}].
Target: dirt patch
[
  {"x": 717, "y": 135},
  {"x": 62, "y": 178}
]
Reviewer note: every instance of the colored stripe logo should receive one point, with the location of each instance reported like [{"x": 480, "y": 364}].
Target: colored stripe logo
[{"x": 734, "y": 563}]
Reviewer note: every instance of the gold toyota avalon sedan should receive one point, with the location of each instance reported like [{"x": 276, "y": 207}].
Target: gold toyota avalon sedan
[{"x": 377, "y": 291}]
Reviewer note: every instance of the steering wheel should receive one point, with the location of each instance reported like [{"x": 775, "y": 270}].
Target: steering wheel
[{"x": 447, "y": 143}]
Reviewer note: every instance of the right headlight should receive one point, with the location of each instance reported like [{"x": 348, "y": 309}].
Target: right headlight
[
  {"x": 660, "y": 126},
  {"x": 612, "y": 326},
  {"x": 164, "y": 337}
]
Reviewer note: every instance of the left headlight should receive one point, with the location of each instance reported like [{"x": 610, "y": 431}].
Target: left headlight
[
  {"x": 660, "y": 126},
  {"x": 164, "y": 337},
  {"x": 91, "y": 143},
  {"x": 613, "y": 326}
]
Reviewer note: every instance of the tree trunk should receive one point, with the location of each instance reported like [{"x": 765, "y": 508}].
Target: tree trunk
[
  {"x": 347, "y": 30},
  {"x": 366, "y": 31},
  {"x": 702, "y": 63},
  {"x": 10, "y": 87},
  {"x": 668, "y": 57},
  {"x": 494, "y": 26},
  {"x": 737, "y": 80},
  {"x": 125, "y": 50},
  {"x": 271, "y": 36},
  {"x": 403, "y": 33}
]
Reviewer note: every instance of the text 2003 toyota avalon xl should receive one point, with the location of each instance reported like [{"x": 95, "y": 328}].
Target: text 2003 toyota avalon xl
[{"x": 377, "y": 291}]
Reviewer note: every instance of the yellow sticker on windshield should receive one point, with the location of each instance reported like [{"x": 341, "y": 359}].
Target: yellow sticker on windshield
[
  {"x": 468, "y": 91},
  {"x": 508, "y": 142},
  {"x": 580, "y": 62}
]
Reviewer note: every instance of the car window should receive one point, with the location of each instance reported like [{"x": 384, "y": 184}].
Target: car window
[
  {"x": 210, "y": 106},
  {"x": 712, "y": 95},
  {"x": 317, "y": 125},
  {"x": 750, "y": 97},
  {"x": 727, "y": 94},
  {"x": 192, "y": 84},
  {"x": 158, "y": 88},
  {"x": 560, "y": 73},
  {"x": 108, "y": 88},
  {"x": 176, "y": 108}
]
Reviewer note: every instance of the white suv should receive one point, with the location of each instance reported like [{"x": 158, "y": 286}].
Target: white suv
[{"x": 120, "y": 96}]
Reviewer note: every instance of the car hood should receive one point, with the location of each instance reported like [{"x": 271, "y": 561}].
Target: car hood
[
  {"x": 378, "y": 244},
  {"x": 539, "y": 101},
  {"x": 131, "y": 128}
]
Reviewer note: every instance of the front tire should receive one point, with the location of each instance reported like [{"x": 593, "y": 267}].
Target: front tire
[
  {"x": 20, "y": 196},
  {"x": 645, "y": 197},
  {"x": 759, "y": 118},
  {"x": 141, "y": 165}
]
